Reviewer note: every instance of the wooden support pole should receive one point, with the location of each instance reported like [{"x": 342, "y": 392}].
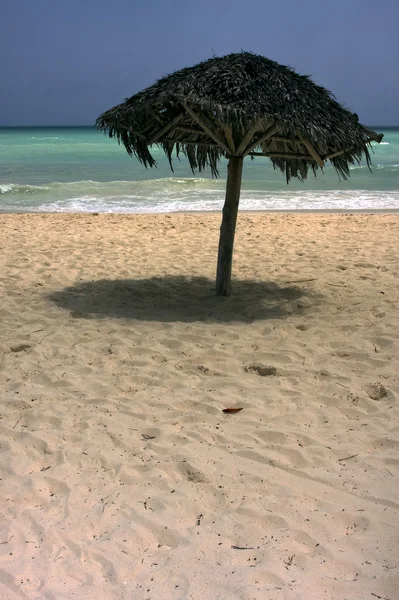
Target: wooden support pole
[
  {"x": 191, "y": 130},
  {"x": 201, "y": 120},
  {"x": 156, "y": 137},
  {"x": 338, "y": 153},
  {"x": 282, "y": 155},
  {"x": 132, "y": 131},
  {"x": 228, "y": 134},
  {"x": 247, "y": 137},
  {"x": 192, "y": 142},
  {"x": 156, "y": 117},
  {"x": 374, "y": 137},
  {"x": 228, "y": 227},
  {"x": 278, "y": 138},
  {"x": 267, "y": 134},
  {"x": 312, "y": 152}
]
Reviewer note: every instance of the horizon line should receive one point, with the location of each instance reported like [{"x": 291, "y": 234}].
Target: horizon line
[{"x": 93, "y": 126}]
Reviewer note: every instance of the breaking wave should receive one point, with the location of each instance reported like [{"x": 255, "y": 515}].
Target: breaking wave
[{"x": 179, "y": 195}]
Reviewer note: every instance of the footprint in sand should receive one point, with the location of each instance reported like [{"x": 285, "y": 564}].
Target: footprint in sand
[
  {"x": 261, "y": 370},
  {"x": 192, "y": 474},
  {"x": 376, "y": 391}
]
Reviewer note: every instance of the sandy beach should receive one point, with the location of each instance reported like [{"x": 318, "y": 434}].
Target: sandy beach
[{"x": 122, "y": 478}]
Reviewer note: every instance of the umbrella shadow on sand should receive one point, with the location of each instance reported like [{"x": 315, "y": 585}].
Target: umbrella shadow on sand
[{"x": 178, "y": 298}]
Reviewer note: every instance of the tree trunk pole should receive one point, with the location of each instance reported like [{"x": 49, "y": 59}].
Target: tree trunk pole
[{"x": 228, "y": 227}]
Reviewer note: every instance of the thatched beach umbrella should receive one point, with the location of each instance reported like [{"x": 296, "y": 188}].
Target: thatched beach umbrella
[{"x": 236, "y": 106}]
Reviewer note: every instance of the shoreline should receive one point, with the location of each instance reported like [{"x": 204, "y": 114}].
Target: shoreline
[{"x": 373, "y": 211}]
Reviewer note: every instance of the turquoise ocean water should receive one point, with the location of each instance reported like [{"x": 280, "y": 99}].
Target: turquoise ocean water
[{"x": 79, "y": 169}]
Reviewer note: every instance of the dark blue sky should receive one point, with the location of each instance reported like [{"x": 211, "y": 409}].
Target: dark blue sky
[{"x": 63, "y": 62}]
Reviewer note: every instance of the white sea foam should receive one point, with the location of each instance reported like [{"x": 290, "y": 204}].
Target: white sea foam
[
  {"x": 20, "y": 189},
  {"x": 5, "y": 188},
  {"x": 181, "y": 194},
  {"x": 211, "y": 200}
]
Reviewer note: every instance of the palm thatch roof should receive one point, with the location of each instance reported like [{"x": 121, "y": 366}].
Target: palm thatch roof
[{"x": 240, "y": 105}]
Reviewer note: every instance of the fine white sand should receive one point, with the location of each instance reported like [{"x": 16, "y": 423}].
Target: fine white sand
[{"x": 121, "y": 477}]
